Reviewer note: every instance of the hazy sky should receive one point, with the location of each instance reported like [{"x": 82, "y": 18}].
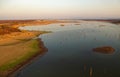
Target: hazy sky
[{"x": 45, "y": 9}]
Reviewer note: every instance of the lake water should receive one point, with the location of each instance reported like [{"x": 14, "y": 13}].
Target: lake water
[{"x": 70, "y": 51}]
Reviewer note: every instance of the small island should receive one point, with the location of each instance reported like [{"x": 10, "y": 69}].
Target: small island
[{"x": 104, "y": 50}]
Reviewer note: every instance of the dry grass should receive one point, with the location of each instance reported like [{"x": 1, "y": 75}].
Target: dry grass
[
  {"x": 15, "y": 45},
  {"x": 16, "y": 37},
  {"x": 6, "y": 30},
  {"x": 11, "y": 53},
  {"x": 16, "y": 48},
  {"x": 13, "y": 56}
]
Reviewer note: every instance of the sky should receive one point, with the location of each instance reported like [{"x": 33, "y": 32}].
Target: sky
[{"x": 59, "y": 9}]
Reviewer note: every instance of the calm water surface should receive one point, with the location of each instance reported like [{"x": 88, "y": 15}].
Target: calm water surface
[{"x": 70, "y": 51}]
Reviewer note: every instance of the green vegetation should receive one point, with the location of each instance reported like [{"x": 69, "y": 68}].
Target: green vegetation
[
  {"x": 33, "y": 47},
  {"x": 25, "y": 40}
]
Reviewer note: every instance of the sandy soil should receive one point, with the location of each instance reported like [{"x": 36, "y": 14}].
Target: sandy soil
[
  {"x": 17, "y": 37},
  {"x": 12, "y": 52},
  {"x": 14, "y": 45},
  {"x": 18, "y": 23}
]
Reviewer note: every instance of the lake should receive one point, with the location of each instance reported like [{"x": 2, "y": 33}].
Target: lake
[{"x": 70, "y": 51}]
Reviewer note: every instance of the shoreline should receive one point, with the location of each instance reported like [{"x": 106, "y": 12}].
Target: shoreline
[
  {"x": 16, "y": 40},
  {"x": 11, "y": 72},
  {"x": 30, "y": 60},
  {"x": 23, "y": 38}
]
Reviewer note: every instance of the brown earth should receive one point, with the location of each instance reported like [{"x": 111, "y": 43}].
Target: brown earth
[
  {"x": 13, "y": 53},
  {"x": 17, "y": 23},
  {"x": 15, "y": 44},
  {"x": 16, "y": 37},
  {"x": 104, "y": 50}
]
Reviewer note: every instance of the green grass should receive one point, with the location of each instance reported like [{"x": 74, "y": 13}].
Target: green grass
[{"x": 34, "y": 48}]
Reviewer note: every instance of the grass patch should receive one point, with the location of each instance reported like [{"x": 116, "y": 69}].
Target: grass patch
[
  {"x": 24, "y": 40},
  {"x": 33, "y": 49}
]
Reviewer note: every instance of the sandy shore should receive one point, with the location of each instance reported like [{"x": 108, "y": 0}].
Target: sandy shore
[
  {"x": 13, "y": 41},
  {"x": 18, "y": 48}
]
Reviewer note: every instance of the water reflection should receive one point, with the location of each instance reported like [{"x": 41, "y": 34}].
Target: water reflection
[{"x": 70, "y": 52}]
